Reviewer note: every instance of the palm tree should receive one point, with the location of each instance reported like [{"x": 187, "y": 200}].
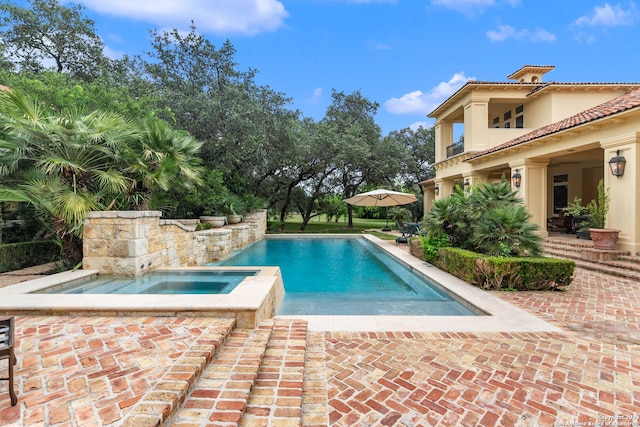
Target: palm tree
[
  {"x": 506, "y": 230},
  {"x": 450, "y": 217},
  {"x": 69, "y": 163},
  {"x": 161, "y": 159},
  {"x": 489, "y": 219}
]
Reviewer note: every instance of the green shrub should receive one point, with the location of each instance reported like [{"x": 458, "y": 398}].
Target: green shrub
[
  {"x": 461, "y": 263},
  {"x": 507, "y": 273},
  {"x": 430, "y": 246},
  {"x": 14, "y": 256},
  {"x": 203, "y": 226}
]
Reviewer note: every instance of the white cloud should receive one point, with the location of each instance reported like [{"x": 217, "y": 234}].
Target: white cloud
[
  {"x": 464, "y": 5},
  {"x": 376, "y": 45},
  {"x": 418, "y": 102},
  {"x": 471, "y": 7},
  {"x": 219, "y": 17},
  {"x": 112, "y": 53},
  {"x": 371, "y": 1},
  {"x": 316, "y": 97},
  {"x": 115, "y": 38},
  {"x": 608, "y": 16},
  {"x": 417, "y": 125},
  {"x": 505, "y": 32}
]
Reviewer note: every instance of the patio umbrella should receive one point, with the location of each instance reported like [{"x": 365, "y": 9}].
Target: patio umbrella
[{"x": 382, "y": 197}]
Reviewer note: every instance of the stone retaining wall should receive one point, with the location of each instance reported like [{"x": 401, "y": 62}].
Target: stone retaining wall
[{"x": 132, "y": 243}]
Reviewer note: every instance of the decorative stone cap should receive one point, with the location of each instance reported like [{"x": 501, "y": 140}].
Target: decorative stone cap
[{"x": 124, "y": 214}]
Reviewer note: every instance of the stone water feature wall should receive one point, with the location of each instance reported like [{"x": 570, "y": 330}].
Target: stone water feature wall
[{"x": 132, "y": 243}]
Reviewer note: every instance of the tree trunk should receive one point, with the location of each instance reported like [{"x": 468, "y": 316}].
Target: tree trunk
[
  {"x": 350, "y": 215},
  {"x": 71, "y": 245}
]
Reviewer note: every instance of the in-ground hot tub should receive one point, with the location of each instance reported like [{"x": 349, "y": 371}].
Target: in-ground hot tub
[{"x": 252, "y": 299}]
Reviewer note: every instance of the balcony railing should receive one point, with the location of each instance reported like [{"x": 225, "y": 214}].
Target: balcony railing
[{"x": 454, "y": 149}]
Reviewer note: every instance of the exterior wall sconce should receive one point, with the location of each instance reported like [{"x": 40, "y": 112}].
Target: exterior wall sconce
[
  {"x": 617, "y": 164},
  {"x": 466, "y": 184},
  {"x": 517, "y": 178},
  {"x": 437, "y": 190}
]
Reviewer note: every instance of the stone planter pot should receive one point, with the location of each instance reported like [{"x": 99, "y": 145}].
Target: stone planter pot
[
  {"x": 189, "y": 222},
  {"x": 215, "y": 221},
  {"x": 604, "y": 238},
  {"x": 234, "y": 219}
]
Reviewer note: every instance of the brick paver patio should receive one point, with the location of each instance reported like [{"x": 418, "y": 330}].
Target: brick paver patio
[{"x": 91, "y": 371}]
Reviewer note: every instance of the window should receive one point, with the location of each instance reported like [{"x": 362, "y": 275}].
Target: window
[
  {"x": 520, "y": 116},
  {"x": 560, "y": 192},
  {"x": 558, "y": 179},
  {"x": 520, "y": 121},
  {"x": 496, "y": 122},
  {"x": 507, "y": 119}
]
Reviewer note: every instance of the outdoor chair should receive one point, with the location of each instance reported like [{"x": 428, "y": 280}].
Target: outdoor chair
[
  {"x": 407, "y": 230},
  {"x": 7, "y": 352}
]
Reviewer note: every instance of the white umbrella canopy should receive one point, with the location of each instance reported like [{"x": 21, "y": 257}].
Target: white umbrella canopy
[{"x": 381, "y": 197}]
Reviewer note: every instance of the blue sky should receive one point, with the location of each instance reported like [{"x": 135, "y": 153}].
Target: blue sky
[{"x": 408, "y": 55}]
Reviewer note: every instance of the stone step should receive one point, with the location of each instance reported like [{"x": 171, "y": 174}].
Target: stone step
[
  {"x": 633, "y": 259},
  {"x": 614, "y": 268},
  {"x": 276, "y": 398},
  {"x": 167, "y": 394},
  {"x": 587, "y": 253},
  {"x": 568, "y": 242},
  {"x": 220, "y": 397}
]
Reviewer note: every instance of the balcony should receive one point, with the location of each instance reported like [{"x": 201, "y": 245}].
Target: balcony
[{"x": 455, "y": 149}]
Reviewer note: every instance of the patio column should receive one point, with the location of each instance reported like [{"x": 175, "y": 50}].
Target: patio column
[
  {"x": 445, "y": 188},
  {"x": 533, "y": 190},
  {"x": 476, "y": 130},
  {"x": 429, "y": 197},
  {"x": 443, "y": 134},
  {"x": 624, "y": 203}
]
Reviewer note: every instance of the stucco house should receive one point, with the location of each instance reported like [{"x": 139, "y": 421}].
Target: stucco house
[{"x": 557, "y": 138}]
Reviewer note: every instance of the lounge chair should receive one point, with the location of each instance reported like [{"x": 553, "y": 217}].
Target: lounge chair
[{"x": 7, "y": 352}]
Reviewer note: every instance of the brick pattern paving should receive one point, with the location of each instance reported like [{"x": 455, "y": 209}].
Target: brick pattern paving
[
  {"x": 168, "y": 394},
  {"x": 220, "y": 397},
  {"x": 97, "y": 371},
  {"x": 314, "y": 404},
  {"x": 90, "y": 371},
  {"x": 276, "y": 399},
  {"x": 594, "y": 305},
  {"x": 535, "y": 379}
]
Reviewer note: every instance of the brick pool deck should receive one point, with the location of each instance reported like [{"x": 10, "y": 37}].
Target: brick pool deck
[{"x": 98, "y": 371}]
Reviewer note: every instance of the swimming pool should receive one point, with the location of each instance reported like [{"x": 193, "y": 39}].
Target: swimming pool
[
  {"x": 163, "y": 282},
  {"x": 346, "y": 276}
]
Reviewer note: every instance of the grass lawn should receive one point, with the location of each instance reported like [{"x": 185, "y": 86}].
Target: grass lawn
[{"x": 321, "y": 225}]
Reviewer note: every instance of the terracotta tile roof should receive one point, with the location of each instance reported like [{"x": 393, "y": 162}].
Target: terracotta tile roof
[
  {"x": 617, "y": 105},
  {"x": 535, "y": 88},
  {"x": 521, "y": 70}
]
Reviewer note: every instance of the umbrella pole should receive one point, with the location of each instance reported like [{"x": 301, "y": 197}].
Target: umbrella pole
[{"x": 386, "y": 214}]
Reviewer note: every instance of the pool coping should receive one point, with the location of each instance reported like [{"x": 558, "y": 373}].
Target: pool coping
[
  {"x": 251, "y": 301},
  {"x": 501, "y": 316},
  {"x": 257, "y": 297}
]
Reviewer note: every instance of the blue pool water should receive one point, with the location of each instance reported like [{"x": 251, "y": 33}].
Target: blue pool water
[
  {"x": 162, "y": 282},
  {"x": 335, "y": 276}
]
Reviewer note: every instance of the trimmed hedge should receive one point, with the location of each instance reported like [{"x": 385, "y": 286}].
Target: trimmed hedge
[
  {"x": 14, "y": 256},
  {"x": 506, "y": 273}
]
